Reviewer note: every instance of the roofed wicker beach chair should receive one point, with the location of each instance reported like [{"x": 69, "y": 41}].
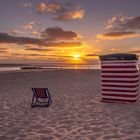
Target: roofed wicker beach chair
[{"x": 41, "y": 97}]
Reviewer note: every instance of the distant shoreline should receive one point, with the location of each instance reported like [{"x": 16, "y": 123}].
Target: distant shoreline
[{"x": 20, "y": 67}]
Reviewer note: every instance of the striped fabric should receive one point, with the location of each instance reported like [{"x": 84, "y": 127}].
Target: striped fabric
[
  {"x": 40, "y": 92},
  {"x": 119, "y": 81}
]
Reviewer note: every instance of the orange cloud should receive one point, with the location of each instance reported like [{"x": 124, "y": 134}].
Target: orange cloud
[
  {"x": 29, "y": 25},
  {"x": 41, "y": 7},
  {"x": 53, "y": 7},
  {"x": 49, "y": 7},
  {"x": 71, "y": 15},
  {"x": 35, "y": 33},
  {"x": 117, "y": 35},
  {"x": 124, "y": 23},
  {"x": 62, "y": 11}
]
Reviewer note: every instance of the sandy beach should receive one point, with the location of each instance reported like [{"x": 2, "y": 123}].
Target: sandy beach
[{"x": 75, "y": 114}]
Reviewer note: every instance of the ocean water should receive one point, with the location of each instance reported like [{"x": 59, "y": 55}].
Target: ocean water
[{"x": 7, "y": 67}]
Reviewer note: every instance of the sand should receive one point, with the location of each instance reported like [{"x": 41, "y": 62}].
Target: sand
[{"x": 75, "y": 114}]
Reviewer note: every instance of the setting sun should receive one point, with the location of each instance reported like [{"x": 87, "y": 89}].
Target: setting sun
[{"x": 76, "y": 56}]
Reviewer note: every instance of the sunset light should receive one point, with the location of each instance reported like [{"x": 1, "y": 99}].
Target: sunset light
[
  {"x": 64, "y": 32},
  {"x": 76, "y": 56},
  {"x": 61, "y": 61}
]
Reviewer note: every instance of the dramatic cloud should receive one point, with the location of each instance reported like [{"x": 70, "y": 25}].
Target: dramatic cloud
[
  {"x": 56, "y": 33},
  {"x": 53, "y": 37},
  {"x": 124, "y": 23},
  {"x": 65, "y": 11},
  {"x": 6, "y": 38},
  {"x": 49, "y": 7},
  {"x": 117, "y": 35},
  {"x": 121, "y": 27},
  {"x": 70, "y": 15}
]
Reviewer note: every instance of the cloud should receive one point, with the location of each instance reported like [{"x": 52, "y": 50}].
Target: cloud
[
  {"x": 70, "y": 15},
  {"x": 41, "y": 7},
  {"x": 34, "y": 27},
  {"x": 117, "y": 35},
  {"x": 64, "y": 44},
  {"x": 124, "y": 23},
  {"x": 36, "y": 55},
  {"x": 57, "y": 33},
  {"x": 65, "y": 11},
  {"x": 121, "y": 27},
  {"x": 92, "y": 55},
  {"x": 35, "y": 33},
  {"x": 3, "y": 50},
  {"x": 49, "y": 7},
  {"x": 132, "y": 23},
  {"x": 52, "y": 37},
  {"x": 26, "y": 4},
  {"x": 16, "y": 32},
  {"x": 23, "y": 55},
  {"x": 54, "y": 7},
  {"x": 6, "y": 38},
  {"x": 30, "y": 25},
  {"x": 134, "y": 51},
  {"x": 37, "y": 49}
]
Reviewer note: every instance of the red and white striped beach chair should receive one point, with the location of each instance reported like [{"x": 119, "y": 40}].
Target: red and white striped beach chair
[
  {"x": 41, "y": 97},
  {"x": 119, "y": 78}
]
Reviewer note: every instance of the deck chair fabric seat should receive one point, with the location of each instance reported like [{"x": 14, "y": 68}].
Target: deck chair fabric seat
[{"x": 41, "y": 97}]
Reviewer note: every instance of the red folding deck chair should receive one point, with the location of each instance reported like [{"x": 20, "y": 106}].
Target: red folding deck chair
[{"x": 41, "y": 97}]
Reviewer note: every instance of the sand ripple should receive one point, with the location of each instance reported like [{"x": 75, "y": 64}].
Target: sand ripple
[{"x": 76, "y": 112}]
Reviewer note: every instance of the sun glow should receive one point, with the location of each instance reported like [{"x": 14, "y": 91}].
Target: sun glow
[{"x": 76, "y": 56}]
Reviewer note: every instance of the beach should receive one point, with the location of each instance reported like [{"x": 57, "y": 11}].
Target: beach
[{"x": 76, "y": 113}]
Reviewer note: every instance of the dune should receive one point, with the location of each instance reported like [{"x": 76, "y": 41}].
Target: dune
[{"x": 75, "y": 114}]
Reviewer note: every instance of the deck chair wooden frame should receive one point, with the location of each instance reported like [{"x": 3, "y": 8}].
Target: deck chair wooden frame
[{"x": 41, "y": 94}]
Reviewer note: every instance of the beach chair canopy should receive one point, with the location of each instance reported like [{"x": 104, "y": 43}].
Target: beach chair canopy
[
  {"x": 41, "y": 97},
  {"x": 118, "y": 56}
]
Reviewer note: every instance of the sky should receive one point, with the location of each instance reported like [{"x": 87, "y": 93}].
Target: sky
[{"x": 67, "y": 31}]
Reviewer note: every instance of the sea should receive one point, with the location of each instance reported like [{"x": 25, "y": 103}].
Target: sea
[{"x": 18, "y": 67}]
